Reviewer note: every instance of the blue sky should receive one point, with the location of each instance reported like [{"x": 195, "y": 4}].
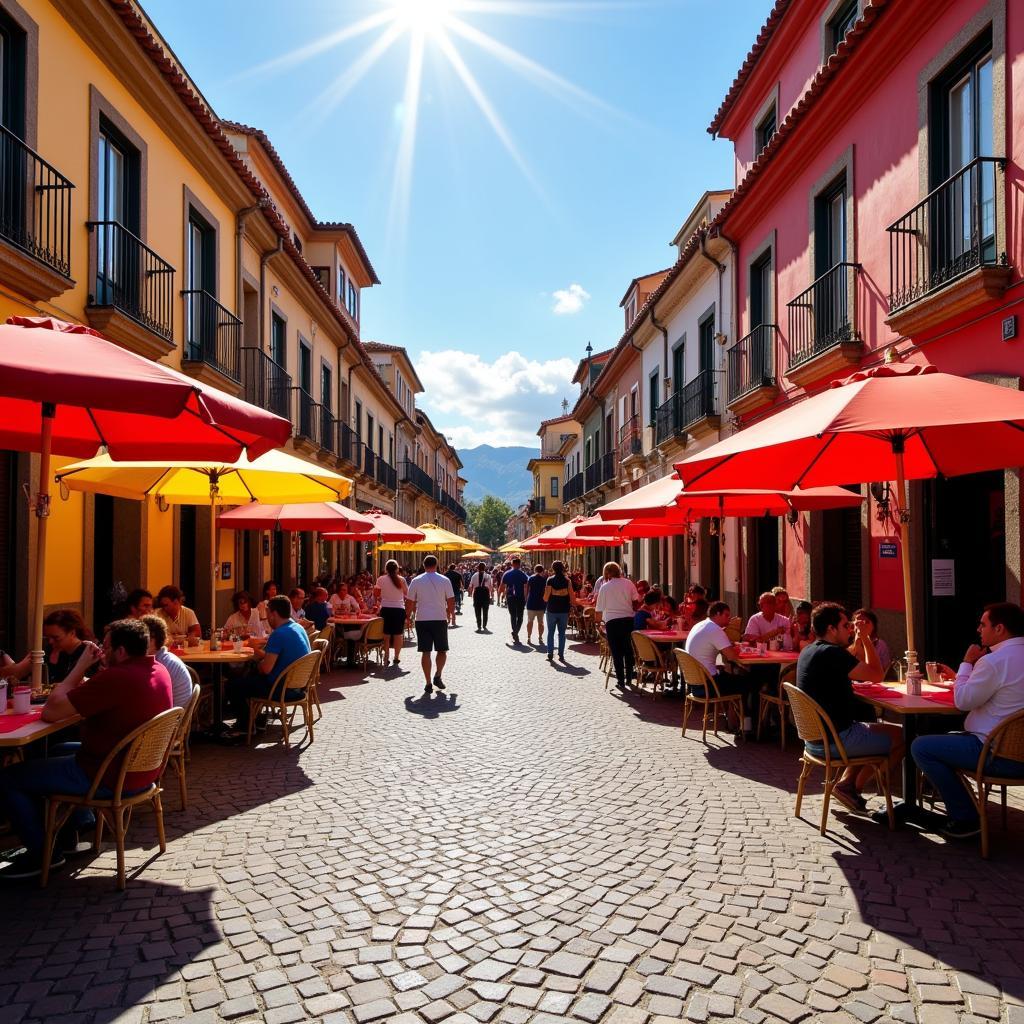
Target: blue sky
[{"x": 506, "y": 246}]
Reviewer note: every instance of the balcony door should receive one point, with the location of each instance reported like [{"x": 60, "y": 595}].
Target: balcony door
[
  {"x": 14, "y": 197},
  {"x": 117, "y": 252},
  {"x": 201, "y": 313},
  {"x": 829, "y": 300}
]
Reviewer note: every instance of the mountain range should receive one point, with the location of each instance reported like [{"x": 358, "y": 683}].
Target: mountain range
[{"x": 498, "y": 471}]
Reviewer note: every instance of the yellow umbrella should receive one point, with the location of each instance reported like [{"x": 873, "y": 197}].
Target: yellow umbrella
[
  {"x": 275, "y": 478},
  {"x": 513, "y": 547},
  {"x": 435, "y": 539},
  {"x": 481, "y": 553}
]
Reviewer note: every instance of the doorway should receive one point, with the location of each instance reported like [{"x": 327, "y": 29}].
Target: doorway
[
  {"x": 841, "y": 578},
  {"x": 766, "y": 559},
  {"x": 187, "y": 526}
]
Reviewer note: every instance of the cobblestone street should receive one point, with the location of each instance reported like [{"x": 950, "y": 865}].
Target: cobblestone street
[{"x": 527, "y": 847}]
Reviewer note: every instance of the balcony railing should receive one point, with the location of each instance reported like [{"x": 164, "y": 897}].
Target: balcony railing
[
  {"x": 608, "y": 461},
  {"x": 35, "y": 204},
  {"x": 306, "y": 415},
  {"x": 386, "y": 475},
  {"x": 328, "y": 436},
  {"x": 212, "y": 334},
  {"x": 538, "y": 505},
  {"x": 344, "y": 440},
  {"x": 630, "y": 438},
  {"x": 410, "y": 473},
  {"x": 266, "y": 382},
  {"x": 948, "y": 234},
  {"x": 573, "y": 488},
  {"x": 693, "y": 402},
  {"x": 821, "y": 317},
  {"x": 369, "y": 461},
  {"x": 600, "y": 471},
  {"x": 752, "y": 362},
  {"x": 132, "y": 278}
]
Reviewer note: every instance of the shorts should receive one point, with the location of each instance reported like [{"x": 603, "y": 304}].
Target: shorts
[
  {"x": 860, "y": 740},
  {"x": 394, "y": 621},
  {"x": 432, "y": 636},
  {"x": 535, "y": 615}
]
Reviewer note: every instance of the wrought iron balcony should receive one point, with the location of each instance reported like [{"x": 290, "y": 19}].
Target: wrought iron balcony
[
  {"x": 386, "y": 475},
  {"x": 951, "y": 232},
  {"x": 410, "y": 473},
  {"x": 307, "y": 418},
  {"x": 328, "y": 435},
  {"x": 599, "y": 472},
  {"x": 266, "y": 382},
  {"x": 695, "y": 401},
  {"x": 608, "y": 466},
  {"x": 573, "y": 488},
  {"x": 821, "y": 316},
  {"x": 132, "y": 278},
  {"x": 35, "y": 204},
  {"x": 751, "y": 362},
  {"x": 212, "y": 335},
  {"x": 369, "y": 461},
  {"x": 344, "y": 441},
  {"x": 538, "y": 504},
  {"x": 631, "y": 438}
]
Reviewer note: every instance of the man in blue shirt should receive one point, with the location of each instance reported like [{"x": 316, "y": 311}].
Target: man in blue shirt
[
  {"x": 513, "y": 586},
  {"x": 535, "y": 604},
  {"x": 286, "y": 644}
]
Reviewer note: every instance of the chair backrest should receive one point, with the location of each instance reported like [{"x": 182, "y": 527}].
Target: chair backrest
[
  {"x": 1006, "y": 740},
  {"x": 186, "y": 719},
  {"x": 144, "y": 749},
  {"x": 787, "y": 675},
  {"x": 694, "y": 673},
  {"x": 646, "y": 650},
  {"x": 322, "y": 644},
  {"x": 735, "y": 629},
  {"x": 298, "y": 675},
  {"x": 374, "y": 632},
  {"x": 327, "y": 633},
  {"x": 193, "y": 674},
  {"x": 813, "y": 724}
]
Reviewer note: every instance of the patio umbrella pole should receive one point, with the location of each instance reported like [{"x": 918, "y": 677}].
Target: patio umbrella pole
[
  {"x": 721, "y": 547},
  {"x": 908, "y": 590},
  {"x": 214, "y": 490},
  {"x": 42, "y": 511}
]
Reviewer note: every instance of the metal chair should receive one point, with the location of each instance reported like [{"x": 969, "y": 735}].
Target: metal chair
[
  {"x": 178, "y": 755},
  {"x": 372, "y": 641},
  {"x": 713, "y": 701},
  {"x": 323, "y": 645},
  {"x": 813, "y": 725},
  {"x": 300, "y": 675},
  {"x": 776, "y": 700},
  {"x": 605, "y": 660},
  {"x": 144, "y": 749},
  {"x": 1005, "y": 741},
  {"x": 650, "y": 662}
]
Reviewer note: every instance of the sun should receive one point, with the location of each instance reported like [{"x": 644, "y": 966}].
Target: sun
[{"x": 422, "y": 15}]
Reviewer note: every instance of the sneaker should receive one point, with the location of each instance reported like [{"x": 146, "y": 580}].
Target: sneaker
[
  {"x": 438, "y": 682},
  {"x": 850, "y": 799},
  {"x": 561, "y": 658},
  {"x": 954, "y": 829},
  {"x": 29, "y": 865},
  {"x": 69, "y": 843},
  {"x": 551, "y": 657},
  {"x": 427, "y": 689}
]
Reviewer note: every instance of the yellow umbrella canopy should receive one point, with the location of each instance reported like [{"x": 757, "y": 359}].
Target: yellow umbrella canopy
[
  {"x": 435, "y": 538},
  {"x": 480, "y": 553},
  {"x": 513, "y": 547},
  {"x": 275, "y": 478}
]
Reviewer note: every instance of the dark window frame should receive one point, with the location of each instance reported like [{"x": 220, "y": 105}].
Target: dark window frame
[
  {"x": 766, "y": 128},
  {"x": 842, "y": 20}
]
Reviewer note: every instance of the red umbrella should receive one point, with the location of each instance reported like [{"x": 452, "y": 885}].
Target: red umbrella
[
  {"x": 65, "y": 390},
  {"x": 385, "y": 529},
  {"x": 316, "y": 515},
  {"x": 565, "y": 536},
  {"x": 897, "y": 421}
]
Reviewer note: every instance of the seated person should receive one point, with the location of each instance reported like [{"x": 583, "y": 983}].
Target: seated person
[
  {"x": 181, "y": 621},
  {"x": 297, "y": 598},
  {"x": 67, "y": 637},
  {"x": 181, "y": 678},
  {"x": 784, "y": 606},
  {"x": 269, "y": 591},
  {"x": 767, "y": 624},
  {"x": 801, "y": 629},
  {"x": 318, "y": 611},
  {"x": 699, "y": 611},
  {"x": 826, "y": 671},
  {"x": 705, "y": 642},
  {"x": 869, "y": 630},
  {"x": 642, "y": 588},
  {"x": 990, "y": 687},
  {"x": 670, "y": 606},
  {"x": 648, "y": 615},
  {"x": 286, "y": 644},
  {"x": 140, "y": 602},
  {"x": 244, "y": 622},
  {"x": 127, "y": 692}
]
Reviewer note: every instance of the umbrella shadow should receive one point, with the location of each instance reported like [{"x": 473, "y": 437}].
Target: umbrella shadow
[{"x": 432, "y": 705}]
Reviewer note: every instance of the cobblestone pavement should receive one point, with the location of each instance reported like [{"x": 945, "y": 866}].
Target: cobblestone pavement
[{"x": 528, "y": 847}]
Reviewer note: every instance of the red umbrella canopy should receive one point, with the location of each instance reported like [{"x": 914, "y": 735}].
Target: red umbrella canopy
[
  {"x": 853, "y": 431},
  {"x": 314, "y": 515},
  {"x": 565, "y": 536},
  {"x": 105, "y": 395},
  {"x": 384, "y": 528}
]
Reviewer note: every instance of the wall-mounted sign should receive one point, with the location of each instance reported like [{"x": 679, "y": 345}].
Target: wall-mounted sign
[
  {"x": 943, "y": 577},
  {"x": 225, "y": 570},
  {"x": 886, "y": 550},
  {"x": 1009, "y": 328}
]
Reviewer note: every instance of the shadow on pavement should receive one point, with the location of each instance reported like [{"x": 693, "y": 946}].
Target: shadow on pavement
[{"x": 432, "y": 706}]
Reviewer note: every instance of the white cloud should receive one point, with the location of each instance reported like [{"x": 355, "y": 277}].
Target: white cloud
[
  {"x": 501, "y": 403},
  {"x": 570, "y": 300}
]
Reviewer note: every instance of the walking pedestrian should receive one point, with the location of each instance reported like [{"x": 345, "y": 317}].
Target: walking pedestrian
[
  {"x": 391, "y": 591},
  {"x": 535, "y": 604},
  {"x": 455, "y": 576},
  {"x": 558, "y": 596},
  {"x": 432, "y": 599},
  {"x": 617, "y": 602},
  {"x": 480, "y": 586},
  {"x": 513, "y": 586}
]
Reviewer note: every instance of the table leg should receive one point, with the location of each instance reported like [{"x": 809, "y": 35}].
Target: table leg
[{"x": 908, "y": 809}]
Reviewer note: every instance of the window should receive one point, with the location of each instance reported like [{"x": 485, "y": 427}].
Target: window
[
  {"x": 679, "y": 364},
  {"x": 706, "y": 342},
  {"x": 760, "y": 291},
  {"x": 840, "y": 23},
  {"x": 358, "y": 424},
  {"x": 296, "y": 241},
  {"x": 305, "y": 368},
  {"x": 353, "y": 300},
  {"x": 325, "y": 387},
  {"x": 765, "y": 129},
  {"x": 830, "y": 227},
  {"x": 324, "y": 277},
  {"x": 369, "y": 432},
  {"x": 554, "y": 487},
  {"x": 654, "y": 394},
  {"x": 380, "y": 439},
  {"x": 12, "y": 76},
  {"x": 341, "y": 285},
  {"x": 118, "y": 211},
  {"x": 278, "y": 339}
]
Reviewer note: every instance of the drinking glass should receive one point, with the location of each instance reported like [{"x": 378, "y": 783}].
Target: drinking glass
[{"x": 934, "y": 672}]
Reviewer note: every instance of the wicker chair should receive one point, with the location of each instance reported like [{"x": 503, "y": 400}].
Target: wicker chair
[
  {"x": 776, "y": 700},
  {"x": 300, "y": 675},
  {"x": 605, "y": 659},
  {"x": 372, "y": 642},
  {"x": 1005, "y": 741},
  {"x": 327, "y": 633},
  {"x": 144, "y": 749},
  {"x": 650, "y": 662},
  {"x": 734, "y": 631},
  {"x": 323, "y": 645},
  {"x": 713, "y": 701},
  {"x": 814, "y": 726},
  {"x": 177, "y": 757},
  {"x": 410, "y": 626}
]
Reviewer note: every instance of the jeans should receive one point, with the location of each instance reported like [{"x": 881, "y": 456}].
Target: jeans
[
  {"x": 481, "y": 608},
  {"x": 516, "y": 607},
  {"x": 458, "y": 601},
  {"x": 859, "y": 740},
  {"x": 557, "y": 620},
  {"x": 23, "y": 788},
  {"x": 620, "y": 642},
  {"x": 240, "y": 689},
  {"x": 939, "y": 756}
]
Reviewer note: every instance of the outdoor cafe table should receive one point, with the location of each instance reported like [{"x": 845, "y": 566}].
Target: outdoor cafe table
[
  {"x": 768, "y": 658},
  {"x": 20, "y": 730},
  {"x": 892, "y": 698},
  {"x": 202, "y": 655}
]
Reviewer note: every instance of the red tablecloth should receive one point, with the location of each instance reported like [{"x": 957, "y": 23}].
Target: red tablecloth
[
  {"x": 941, "y": 697},
  {"x": 877, "y": 690},
  {"x": 12, "y": 723}
]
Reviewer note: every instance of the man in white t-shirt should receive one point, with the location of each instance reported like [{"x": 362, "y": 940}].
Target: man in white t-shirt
[
  {"x": 432, "y": 598},
  {"x": 706, "y": 641},
  {"x": 767, "y": 624}
]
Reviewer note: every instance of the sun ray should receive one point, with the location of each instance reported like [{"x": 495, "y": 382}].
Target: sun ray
[
  {"x": 322, "y": 45},
  {"x": 551, "y": 9},
  {"x": 475, "y": 90},
  {"x": 401, "y": 190}
]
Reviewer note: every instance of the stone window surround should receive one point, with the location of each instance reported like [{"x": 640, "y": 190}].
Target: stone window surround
[
  {"x": 825, "y": 25},
  {"x": 771, "y": 100},
  {"x": 24, "y": 21},
  {"x": 766, "y": 246},
  {"x": 193, "y": 203}
]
